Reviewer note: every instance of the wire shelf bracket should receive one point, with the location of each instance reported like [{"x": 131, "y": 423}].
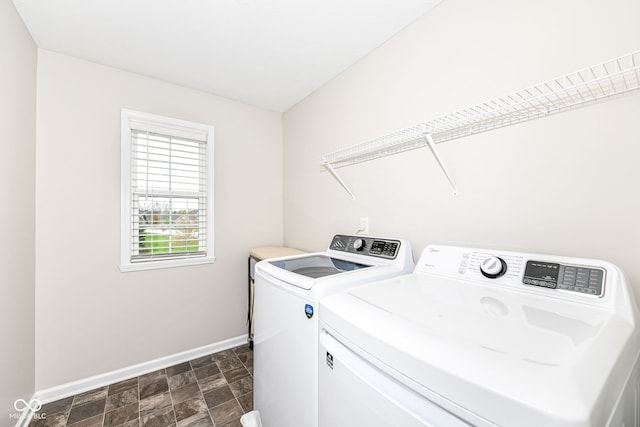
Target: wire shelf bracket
[
  {"x": 333, "y": 172},
  {"x": 587, "y": 86},
  {"x": 432, "y": 146}
]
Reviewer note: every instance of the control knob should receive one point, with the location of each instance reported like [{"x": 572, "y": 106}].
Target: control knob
[
  {"x": 493, "y": 267},
  {"x": 358, "y": 244}
]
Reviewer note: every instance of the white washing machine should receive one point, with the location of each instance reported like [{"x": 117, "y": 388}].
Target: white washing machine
[
  {"x": 486, "y": 338},
  {"x": 287, "y": 293}
]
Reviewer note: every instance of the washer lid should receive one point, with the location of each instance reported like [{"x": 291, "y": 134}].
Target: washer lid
[
  {"x": 317, "y": 265},
  {"x": 304, "y": 271},
  {"x": 501, "y": 355}
]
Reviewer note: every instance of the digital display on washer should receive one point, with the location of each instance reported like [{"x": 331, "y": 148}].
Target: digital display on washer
[
  {"x": 384, "y": 248},
  {"x": 582, "y": 279},
  {"x": 539, "y": 273}
]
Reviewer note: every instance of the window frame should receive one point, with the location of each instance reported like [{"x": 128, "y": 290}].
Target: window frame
[{"x": 126, "y": 229}]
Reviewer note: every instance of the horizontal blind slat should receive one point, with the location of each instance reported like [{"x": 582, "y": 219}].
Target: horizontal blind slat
[{"x": 160, "y": 129}]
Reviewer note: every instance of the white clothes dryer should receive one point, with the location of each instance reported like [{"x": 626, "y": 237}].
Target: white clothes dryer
[
  {"x": 486, "y": 338},
  {"x": 287, "y": 295}
]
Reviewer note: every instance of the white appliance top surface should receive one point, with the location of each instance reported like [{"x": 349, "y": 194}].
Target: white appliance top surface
[
  {"x": 348, "y": 259},
  {"x": 526, "y": 329},
  {"x": 500, "y": 350}
]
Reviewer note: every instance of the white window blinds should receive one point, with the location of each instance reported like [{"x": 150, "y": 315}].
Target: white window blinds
[{"x": 168, "y": 206}]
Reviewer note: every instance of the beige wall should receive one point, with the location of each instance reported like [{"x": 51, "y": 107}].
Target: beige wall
[
  {"x": 18, "y": 56},
  {"x": 566, "y": 184},
  {"x": 90, "y": 317}
]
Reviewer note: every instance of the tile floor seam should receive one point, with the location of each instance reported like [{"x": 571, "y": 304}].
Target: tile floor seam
[
  {"x": 205, "y": 402},
  {"x": 173, "y": 405},
  {"x": 104, "y": 411},
  {"x": 139, "y": 409}
]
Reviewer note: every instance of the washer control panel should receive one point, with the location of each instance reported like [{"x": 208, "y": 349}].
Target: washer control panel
[
  {"x": 363, "y": 245},
  {"x": 586, "y": 280}
]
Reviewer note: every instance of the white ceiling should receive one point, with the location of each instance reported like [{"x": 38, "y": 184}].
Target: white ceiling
[{"x": 268, "y": 53}]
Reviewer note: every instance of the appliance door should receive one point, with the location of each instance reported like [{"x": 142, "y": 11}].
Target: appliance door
[
  {"x": 354, "y": 392},
  {"x": 285, "y": 355}
]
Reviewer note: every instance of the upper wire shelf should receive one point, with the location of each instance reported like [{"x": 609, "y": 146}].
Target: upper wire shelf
[{"x": 589, "y": 85}]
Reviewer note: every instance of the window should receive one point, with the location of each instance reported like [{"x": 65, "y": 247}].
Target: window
[{"x": 167, "y": 192}]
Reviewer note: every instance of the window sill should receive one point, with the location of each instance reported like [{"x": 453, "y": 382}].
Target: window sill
[{"x": 155, "y": 265}]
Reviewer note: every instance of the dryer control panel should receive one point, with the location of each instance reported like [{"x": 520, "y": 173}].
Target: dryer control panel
[
  {"x": 364, "y": 245},
  {"x": 517, "y": 269}
]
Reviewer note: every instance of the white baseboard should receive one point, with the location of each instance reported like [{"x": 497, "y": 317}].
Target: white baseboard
[{"x": 80, "y": 386}]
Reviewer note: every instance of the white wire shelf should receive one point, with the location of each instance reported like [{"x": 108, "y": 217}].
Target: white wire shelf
[{"x": 589, "y": 85}]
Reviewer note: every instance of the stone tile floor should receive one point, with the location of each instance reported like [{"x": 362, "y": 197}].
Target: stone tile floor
[{"x": 214, "y": 390}]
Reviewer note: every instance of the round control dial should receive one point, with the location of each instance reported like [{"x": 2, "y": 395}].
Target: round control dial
[
  {"x": 358, "y": 244},
  {"x": 493, "y": 267}
]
